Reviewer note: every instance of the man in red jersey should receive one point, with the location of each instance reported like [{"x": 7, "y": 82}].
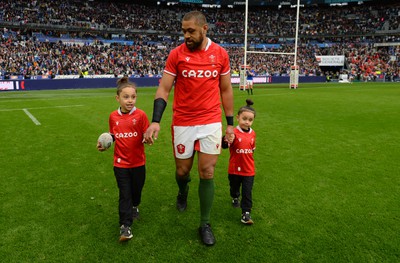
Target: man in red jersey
[{"x": 200, "y": 71}]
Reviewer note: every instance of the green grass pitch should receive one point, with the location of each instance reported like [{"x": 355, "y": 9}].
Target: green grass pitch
[{"x": 327, "y": 187}]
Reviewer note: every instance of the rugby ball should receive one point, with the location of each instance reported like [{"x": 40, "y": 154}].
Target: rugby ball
[{"x": 105, "y": 140}]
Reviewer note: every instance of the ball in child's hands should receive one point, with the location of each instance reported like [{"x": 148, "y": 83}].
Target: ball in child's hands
[{"x": 105, "y": 140}]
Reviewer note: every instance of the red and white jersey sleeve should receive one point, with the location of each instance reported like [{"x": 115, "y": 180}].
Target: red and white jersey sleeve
[
  {"x": 128, "y": 130},
  {"x": 241, "y": 161},
  {"x": 197, "y": 83}
]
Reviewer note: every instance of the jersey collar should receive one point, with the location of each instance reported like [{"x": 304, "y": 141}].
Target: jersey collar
[
  {"x": 240, "y": 129},
  {"x": 208, "y": 44},
  {"x": 120, "y": 112}
]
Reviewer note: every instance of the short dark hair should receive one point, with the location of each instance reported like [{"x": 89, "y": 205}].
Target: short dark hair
[{"x": 199, "y": 16}]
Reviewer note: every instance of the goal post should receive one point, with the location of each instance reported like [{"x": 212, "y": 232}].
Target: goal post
[
  {"x": 243, "y": 77},
  {"x": 294, "y": 77},
  {"x": 294, "y": 68}
]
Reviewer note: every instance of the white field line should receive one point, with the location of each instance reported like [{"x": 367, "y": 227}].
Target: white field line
[
  {"x": 35, "y": 121},
  {"x": 38, "y": 108},
  {"x": 63, "y": 96},
  {"x": 273, "y": 94},
  {"x": 276, "y": 94},
  {"x": 26, "y": 110}
]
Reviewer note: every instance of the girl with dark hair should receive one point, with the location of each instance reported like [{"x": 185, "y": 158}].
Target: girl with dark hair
[
  {"x": 127, "y": 126},
  {"x": 241, "y": 169}
]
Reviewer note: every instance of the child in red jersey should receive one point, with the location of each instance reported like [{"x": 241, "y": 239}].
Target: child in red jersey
[
  {"x": 127, "y": 126},
  {"x": 241, "y": 169}
]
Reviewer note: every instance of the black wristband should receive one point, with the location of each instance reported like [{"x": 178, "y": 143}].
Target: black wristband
[
  {"x": 158, "y": 109},
  {"x": 229, "y": 120}
]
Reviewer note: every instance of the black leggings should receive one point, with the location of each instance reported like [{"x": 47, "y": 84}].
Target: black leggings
[
  {"x": 130, "y": 184},
  {"x": 235, "y": 181}
]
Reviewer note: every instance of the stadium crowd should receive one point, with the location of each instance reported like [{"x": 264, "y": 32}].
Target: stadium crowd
[
  {"x": 314, "y": 21},
  {"x": 151, "y": 31}
]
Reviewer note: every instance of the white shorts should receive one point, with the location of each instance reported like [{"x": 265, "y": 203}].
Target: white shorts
[
  {"x": 203, "y": 138},
  {"x": 249, "y": 82}
]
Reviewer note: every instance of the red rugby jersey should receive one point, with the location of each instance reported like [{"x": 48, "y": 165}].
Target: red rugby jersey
[
  {"x": 197, "y": 78},
  {"x": 241, "y": 161},
  {"x": 128, "y": 130}
]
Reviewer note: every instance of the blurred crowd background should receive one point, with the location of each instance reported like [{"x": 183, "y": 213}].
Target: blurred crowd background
[{"x": 119, "y": 38}]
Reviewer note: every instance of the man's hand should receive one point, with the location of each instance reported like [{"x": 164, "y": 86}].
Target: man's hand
[
  {"x": 229, "y": 134},
  {"x": 152, "y": 133}
]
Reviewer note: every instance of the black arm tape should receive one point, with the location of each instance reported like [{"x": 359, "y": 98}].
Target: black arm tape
[
  {"x": 229, "y": 120},
  {"x": 158, "y": 109}
]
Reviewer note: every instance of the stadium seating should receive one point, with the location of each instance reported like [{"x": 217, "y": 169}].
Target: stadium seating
[{"x": 97, "y": 38}]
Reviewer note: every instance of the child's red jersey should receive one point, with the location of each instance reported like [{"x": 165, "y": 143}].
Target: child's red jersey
[
  {"x": 241, "y": 161},
  {"x": 197, "y": 83},
  {"x": 128, "y": 130}
]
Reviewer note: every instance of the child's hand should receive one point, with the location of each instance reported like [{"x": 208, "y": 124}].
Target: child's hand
[
  {"x": 99, "y": 147},
  {"x": 229, "y": 134},
  {"x": 229, "y": 138},
  {"x": 225, "y": 142}
]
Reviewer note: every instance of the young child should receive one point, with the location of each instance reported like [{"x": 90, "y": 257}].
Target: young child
[
  {"x": 127, "y": 126},
  {"x": 241, "y": 169}
]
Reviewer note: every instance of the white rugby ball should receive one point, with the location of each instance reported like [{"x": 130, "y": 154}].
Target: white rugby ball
[{"x": 105, "y": 140}]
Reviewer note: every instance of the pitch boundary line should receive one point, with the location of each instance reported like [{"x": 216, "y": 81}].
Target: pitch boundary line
[
  {"x": 272, "y": 94},
  {"x": 35, "y": 121},
  {"x": 33, "y": 118},
  {"x": 39, "y": 108}
]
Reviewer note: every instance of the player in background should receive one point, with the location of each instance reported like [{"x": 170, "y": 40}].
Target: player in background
[
  {"x": 241, "y": 169},
  {"x": 249, "y": 80},
  {"x": 200, "y": 71},
  {"x": 127, "y": 126}
]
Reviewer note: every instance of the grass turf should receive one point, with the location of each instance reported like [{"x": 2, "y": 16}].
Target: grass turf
[{"x": 326, "y": 190}]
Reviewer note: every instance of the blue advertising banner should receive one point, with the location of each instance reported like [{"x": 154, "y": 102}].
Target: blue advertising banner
[{"x": 87, "y": 83}]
